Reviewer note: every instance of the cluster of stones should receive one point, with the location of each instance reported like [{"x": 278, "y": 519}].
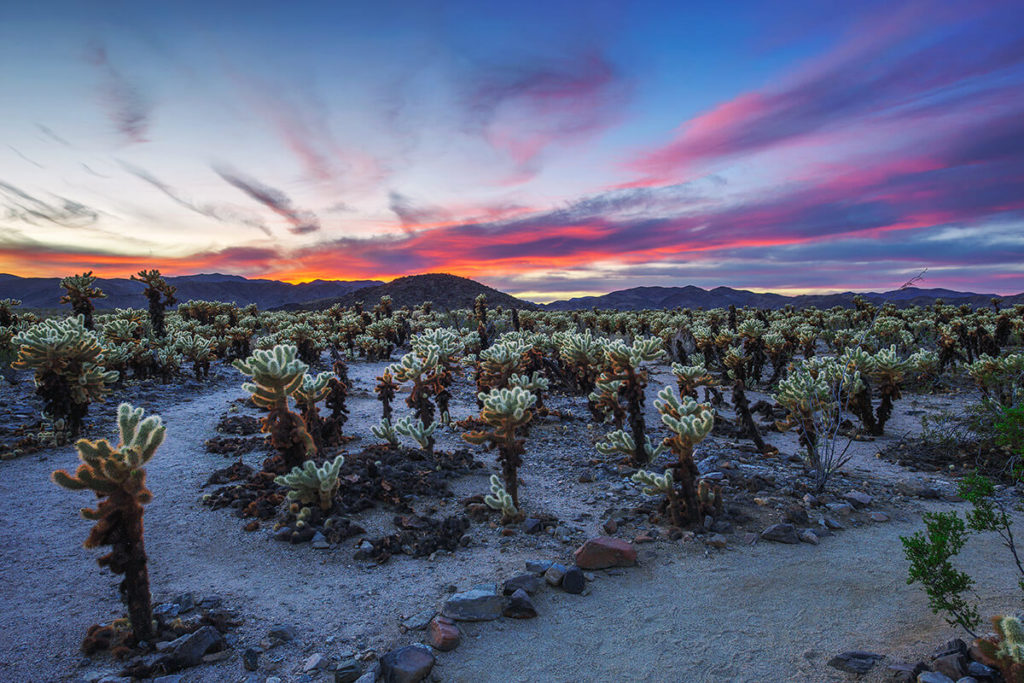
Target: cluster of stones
[
  {"x": 955, "y": 662},
  {"x": 511, "y": 599}
]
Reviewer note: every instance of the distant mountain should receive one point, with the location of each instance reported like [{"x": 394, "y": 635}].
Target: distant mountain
[
  {"x": 447, "y": 292},
  {"x": 35, "y": 292},
  {"x": 639, "y": 298}
]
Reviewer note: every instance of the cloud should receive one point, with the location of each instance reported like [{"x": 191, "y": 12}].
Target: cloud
[
  {"x": 886, "y": 75},
  {"x": 302, "y": 221},
  {"x": 22, "y": 206},
  {"x": 411, "y": 213},
  {"x": 523, "y": 109},
  {"x": 53, "y": 136},
  {"x": 129, "y": 108},
  {"x": 217, "y": 212}
]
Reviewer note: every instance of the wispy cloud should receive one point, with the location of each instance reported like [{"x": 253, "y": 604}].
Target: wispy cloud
[
  {"x": 523, "y": 109},
  {"x": 302, "y": 221},
  {"x": 217, "y": 212},
  {"x": 129, "y": 108},
  {"x": 21, "y": 206}
]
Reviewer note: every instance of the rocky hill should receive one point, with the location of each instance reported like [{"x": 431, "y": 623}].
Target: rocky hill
[
  {"x": 447, "y": 292},
  {"x": 37, "y": 292},
  {"x": 638, "y": 298}
]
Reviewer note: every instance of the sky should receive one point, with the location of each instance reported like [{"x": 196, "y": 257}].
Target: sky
[{"x": 549, "y": 149}]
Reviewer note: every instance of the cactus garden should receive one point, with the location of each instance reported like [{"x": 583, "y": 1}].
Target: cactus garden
[{"x": 329, "y": 477}]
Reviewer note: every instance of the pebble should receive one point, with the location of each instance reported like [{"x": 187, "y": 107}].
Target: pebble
[
  {"x": 443, "y": 634},
  {"x": 419, "y": 621},
  {"x": 319, "y": 541},
  {"x": 855, "y": 661},
  {"x": 527, "y": 582},
  {"x": 831, "y": 523},
  {"x": 841, "y": 509},
  {"x": 858, "y": 498},
  {"x": 188, "y": 650},
  {"x": 878, "y": 516},
  {"x": 554, "y": 574},
  {"x": 716, "y": 541},
  {"x": 482, "y": 603},
  {"x": 933, "y": 677},
  {"x": 251, "y": 659},
  {"x": 283, "y": 632},
  {"x": 314, "y": 662},
  {"x": 573, "y": 581},
  {"x": 538, "y": 567},
  {"x": 520, "y": 606},
  {"x": 808, "y": 536},
  {"x": 348, "y": 670},
  {"x": 781, "y": 533},
  {"x": 408, "y": 664}
]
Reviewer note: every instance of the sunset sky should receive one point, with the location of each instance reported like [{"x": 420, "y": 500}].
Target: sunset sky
[{"x": 549, "y": 149}]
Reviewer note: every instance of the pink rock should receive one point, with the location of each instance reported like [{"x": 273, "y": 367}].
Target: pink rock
[
  {"x": 603, "y": 552},
  {"x": 443, "y": 634}
]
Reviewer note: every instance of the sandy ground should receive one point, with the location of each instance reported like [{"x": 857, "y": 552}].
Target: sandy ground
[{"x": 763, "y": 612}]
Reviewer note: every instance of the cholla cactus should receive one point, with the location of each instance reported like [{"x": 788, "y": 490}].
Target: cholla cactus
[
  {"x": 8, "y": 318},
  {"x": 499, "y": 499},
  {"x": 505, "y": 411},
  {"x": 625, "y": 364},
  {"x": 1005, "y": 648},
  {"x": 620, "y": 441},
  {"x": 689, "y": 423},
  {"x": 311, "y": 484},
  {"x": 417, "y": 431},
  {"x": 385, "y": 389},
  {"x": 159, "y": 294},
  {"x": 582, "y": 355},
  {"x": 691, "y": 377},
  {"x": 499, "y": 363},
  {"x": 80, "y": 294},
  {"x": 307, "y": 395},
  {"x": 385, "y": 430},
  {"x": 999, "y": 379},
  {"x": 117, "y": 476},
  {"x": 276, "y": 374},
  {"x": 198, "y": 350},
  {"x": 888, "y": 370},
  {"x": 654, "y": 483},
  {"x": 67, "y": 361}
]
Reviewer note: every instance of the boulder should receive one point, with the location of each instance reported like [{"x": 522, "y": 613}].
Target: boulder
[{"x": 604, "y": 552}]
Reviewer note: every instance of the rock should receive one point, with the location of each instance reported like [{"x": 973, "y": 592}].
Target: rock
[
  {"x": 554, "y": 574},
  {"x": 953, "y": 665},
  {"x": 314, "y": 662},
  {"x": 165, "y": 612},
  {"x": 478, "y": 604},
  {"x": 808, "y": 536},
  {"x": 418, "y": 622},
  {"x": 979, "y": 670},
  {"x": 532, "y": 525},
  {"x": 520, "y": 606},
  {"x": 251, "y": 659},
  {"x": 858, "y": 498},
  {"x": 538, "y": 567},
  {"x": 408, "y": 664},
  {"x": 855, "y": 661},
  {"x": 319, "y": 541},
  {"x": 933, "y": 677},
  {"x": 830, "y": 523},
  {"x": 188, "y": 650},
  {"x": 211, "y": 602},
  {"x": 968, "y": 679},
  {"x": 443, "y": 634},
  {"x": 841, "y": 509},
  {"x": 720, "y": 527},
  {"x": 573, "y": 581},
  {"x": 878, "y": 516},
  {"x": 186, "y": 601},
  {"x": 610, "y": 527},
  {"x": 282, "y": 632},
  {"x": 716, "y": 541},
  {"x": 797, "y": 515},
  {"x": 348, "y": 670},
  {"x": 214, "y": 657},
  {"x": 173, "y": 678},
  {"x": 527, "y": 582},
  {"x": 603, "y": 552},
  {"x": 781, "y": 533}
]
